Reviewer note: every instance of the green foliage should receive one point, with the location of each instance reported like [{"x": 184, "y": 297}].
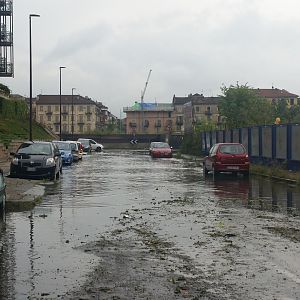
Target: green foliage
[
  {"x": 286, "y": 113},
  {"x": 207, "y": 126},
  {"x": 242, "y": 107},
  {"x": 192, "y": 144},
  {"x": 4, "y": 90},
  {"x": 15, "y": 109},
  {"x": 15, "y": 129}
]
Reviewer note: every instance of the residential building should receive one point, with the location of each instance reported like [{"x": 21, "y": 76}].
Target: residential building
[
  {"x": 84, "y": 114},
  {"x": 195, "y": 109},
  {"x": 274, "y": 95},
  {"x": 150, "y": 118}
]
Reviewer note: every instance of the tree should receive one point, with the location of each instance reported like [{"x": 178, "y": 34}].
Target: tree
[
  {"x": 241, "y": 106},
  {"x": 286, "y": 113}
]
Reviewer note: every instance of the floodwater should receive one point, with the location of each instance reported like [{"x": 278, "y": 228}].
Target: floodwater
[{"x": 39, "y": 254}]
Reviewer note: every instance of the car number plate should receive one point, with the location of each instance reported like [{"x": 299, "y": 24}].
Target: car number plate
[
  {"x": 233, "y": 168},
  {"x": 31, "y": 169}
]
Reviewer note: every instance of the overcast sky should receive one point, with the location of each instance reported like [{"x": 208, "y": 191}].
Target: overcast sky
[{"x": 192, "y": 46}]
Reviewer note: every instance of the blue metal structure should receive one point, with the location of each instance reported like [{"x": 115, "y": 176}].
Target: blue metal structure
[{"x": 267, "y": 144}]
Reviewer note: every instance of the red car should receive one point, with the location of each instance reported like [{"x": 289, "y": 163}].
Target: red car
[
  {"x": 160, "y": 149},
  {"x": 227, "y": 157}
]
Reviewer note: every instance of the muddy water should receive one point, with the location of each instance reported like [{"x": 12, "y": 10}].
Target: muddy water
[{"x": 39, "y": 255}]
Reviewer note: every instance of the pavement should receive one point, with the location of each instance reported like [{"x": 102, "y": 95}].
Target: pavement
[{"x": 21, "y": 194}]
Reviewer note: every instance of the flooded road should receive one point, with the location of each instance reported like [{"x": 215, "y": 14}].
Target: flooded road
[{"x": 121, "y": 225}]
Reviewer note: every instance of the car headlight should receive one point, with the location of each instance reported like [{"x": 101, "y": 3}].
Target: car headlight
[
  {"x": 50, "y": 162},
  {"x": 15, "y": 161}
]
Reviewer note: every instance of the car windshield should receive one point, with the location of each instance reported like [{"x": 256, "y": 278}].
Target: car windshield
[
  {"x": 160, "y": 145},
  {"x": 35, "y": 149},
  {"x": 232, "y": 149},
  {"x": 63, "y": 146}
]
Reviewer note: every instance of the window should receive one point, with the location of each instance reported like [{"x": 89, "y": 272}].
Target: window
[
  {"x": 292, "y": 101},
  {"x": 64, "y": 108},
  {"x": 88, "y": 117},
  {"x": 49, "y": 108},
  {"x": 64, "y": 118},
  {"x": 41, "y": 119},
  {"x": 56, "y": 128},
  {"x": 88, "y": 109},
  {"x": 88, "y": 127},
  {"x": 56, "y": 119},
  {"x": 81, "y": 118},
  {"x": 64, "y": 128},
  {"x": 80, "y": 128},
  {"x": 146, "y": 123},
  {"x": 49, "y": 118},
  {"x": 41, "y": 108},
  {"x": 169, "y": 114},
  {"x": 208, "y": 108},
  {"x": 56, "y": 108},
  {"x": 197, "y": 109},
  {"x": 80, "y": 108}
]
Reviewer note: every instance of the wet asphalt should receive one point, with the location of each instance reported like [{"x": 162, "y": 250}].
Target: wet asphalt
[{"x": 242, "y": 233}]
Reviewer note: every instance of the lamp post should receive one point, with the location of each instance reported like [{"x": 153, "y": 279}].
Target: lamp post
[
  {"x": 60, "y": 68},
  {"x": 30, "y": 77},
  {"x": 72, "y": 126}
]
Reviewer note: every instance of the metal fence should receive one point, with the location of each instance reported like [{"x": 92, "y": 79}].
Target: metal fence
[{"x": 265, "y": 144}]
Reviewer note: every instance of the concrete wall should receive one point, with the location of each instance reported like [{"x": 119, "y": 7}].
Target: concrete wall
[{"x": 5, "y": 150}]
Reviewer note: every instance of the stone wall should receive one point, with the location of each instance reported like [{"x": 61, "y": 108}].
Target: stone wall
[{"x": 6, "y": 149}]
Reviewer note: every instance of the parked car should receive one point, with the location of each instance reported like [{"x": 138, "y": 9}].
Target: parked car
[
  {"x": 65, "y": 152},
  {"x": 2, "y": 192},
  {"x": 94, "y": 145},
  {"x": 160, "y": 149},
  {"x": 86, "y": 144},
  {"x": 35, "y": 159},
  {"x": 227, "y": 157},
  {"x": 76, "y": 150}
]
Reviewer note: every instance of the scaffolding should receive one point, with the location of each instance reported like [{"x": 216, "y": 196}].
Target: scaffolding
[{"x": 6, "y": 39}]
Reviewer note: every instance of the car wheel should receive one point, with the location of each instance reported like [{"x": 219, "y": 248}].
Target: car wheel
[
  {"x": 98, "y": 149},
  {"x": 53, "y": 175},
  {"x": 205, "y": 171},
  {"x": 246, "y": 173},
  {"x": 215, "y": 172}
]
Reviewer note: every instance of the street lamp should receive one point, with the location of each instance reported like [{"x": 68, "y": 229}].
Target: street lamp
[
  {"x": 72, "y": 128},
  {"x": 30, "y": 77},
  {"x": 60, "y": 68}
]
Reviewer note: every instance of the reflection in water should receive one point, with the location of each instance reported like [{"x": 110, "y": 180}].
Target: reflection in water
[
  {"x": 39, "y": 252},
  {"x": 257, "y": 193}
]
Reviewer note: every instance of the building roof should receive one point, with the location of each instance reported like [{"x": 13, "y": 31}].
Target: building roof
[
  {"x": 275, "y": 93},
  {"x": 149, "y": 107},
  {"x": 65, "y": 99},
  {"x": 196, "y": 99}
]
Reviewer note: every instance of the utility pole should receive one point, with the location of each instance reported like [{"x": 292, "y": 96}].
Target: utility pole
[{"x": 142, "y": 102}]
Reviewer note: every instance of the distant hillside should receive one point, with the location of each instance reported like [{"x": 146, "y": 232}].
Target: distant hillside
[{"x": 14, "y": 122}]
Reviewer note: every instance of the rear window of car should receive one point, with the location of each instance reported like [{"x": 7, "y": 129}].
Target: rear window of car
[
  {"x": 35, "y": 149},
  {"x": 161, "y": 145},
  {"x": 63, "y": 146},
  {"x": 232, "y": 149}
]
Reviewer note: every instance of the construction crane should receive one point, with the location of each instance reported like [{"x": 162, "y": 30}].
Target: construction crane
[{"x": 142, "y": 101}]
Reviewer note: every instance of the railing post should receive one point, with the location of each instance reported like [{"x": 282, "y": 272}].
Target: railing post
[{"x": 289, "y": 142}]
